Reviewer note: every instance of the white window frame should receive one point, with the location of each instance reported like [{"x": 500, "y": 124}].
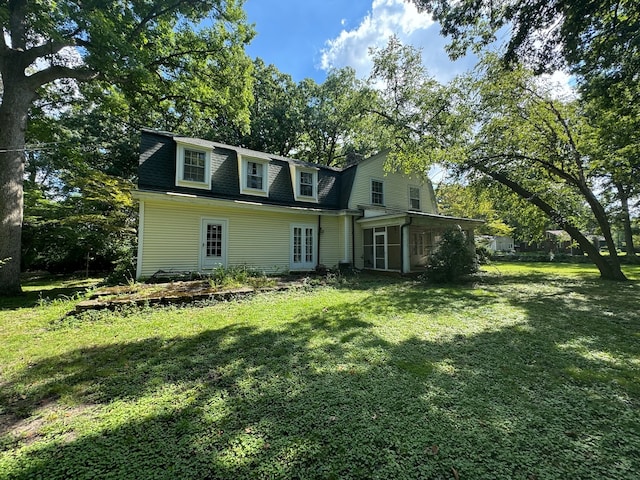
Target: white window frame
[
  {"x": 180, "y": 153},
  {"x": 414, "y": 198},
  {"x": 304, "y": 265},
  {"x": 371, "y": 192},
  {"x": 204, "y": 221},
  {"x": 245, "y": 189},
  {"x": 298, "y": 184}
]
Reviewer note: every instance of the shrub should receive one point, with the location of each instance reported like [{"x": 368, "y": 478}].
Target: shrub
[{"x": 452, "y": 260}]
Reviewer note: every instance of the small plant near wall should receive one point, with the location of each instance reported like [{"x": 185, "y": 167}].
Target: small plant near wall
[
  {"x": 238, "y": 276},
  {"x": 452, "y": 260}
]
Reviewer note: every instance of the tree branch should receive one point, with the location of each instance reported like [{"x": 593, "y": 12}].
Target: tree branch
[
  {"x": 49, "y": 48},
  {"x": 153, "y": 14},
  {"x": 551, "y": 212},
  {"x": 56, "y": 72}
]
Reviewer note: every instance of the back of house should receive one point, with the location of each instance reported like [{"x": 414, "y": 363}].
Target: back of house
[{"x": 204, "y": 204}]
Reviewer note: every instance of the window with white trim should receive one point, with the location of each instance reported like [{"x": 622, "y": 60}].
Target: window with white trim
[
  {"x": 306, "y": 187},
  {"x": 303, "y": 247},
  {"x": 414, "y": 198},
  {"x": 254, "y": 176},
  {"x": 377, "y": 192},
  {"x": 193, "y": 167}
]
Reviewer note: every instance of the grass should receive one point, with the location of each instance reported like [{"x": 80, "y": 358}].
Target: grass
[{"x": 533, "y": 373}]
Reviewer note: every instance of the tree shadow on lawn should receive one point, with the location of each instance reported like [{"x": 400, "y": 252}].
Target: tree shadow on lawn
[
  {"x": 332, "y": 397},
  {"x": 46, "y": 288}
]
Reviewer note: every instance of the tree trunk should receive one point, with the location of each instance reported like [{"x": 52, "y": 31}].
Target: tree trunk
[
  {"x": 14, "y": 109},
  {"x": 605, "y": 227},
  {"x": 609, "y": 270},
  {"x": 626, "y": 222}
]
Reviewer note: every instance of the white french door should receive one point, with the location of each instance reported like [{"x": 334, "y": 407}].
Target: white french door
[{"x": 303, "y": 247}]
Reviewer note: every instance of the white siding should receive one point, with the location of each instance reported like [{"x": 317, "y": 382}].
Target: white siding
[
  {"x": 331, "y": 241},
  {"x": 258, "y": 238},
  {"x": 396, "y": 187}
]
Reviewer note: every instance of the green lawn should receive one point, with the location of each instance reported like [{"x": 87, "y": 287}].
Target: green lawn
[{"x": 531, "y": 373}]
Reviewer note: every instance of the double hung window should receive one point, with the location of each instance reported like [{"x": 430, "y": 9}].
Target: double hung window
[
  {"x": 193, "y": 167},
  {"x": 377, "y": 192},
  {"x": 254, "y": 176},
  {"x": 305, "y": 188},
  {"x": 414, "y": 198}
]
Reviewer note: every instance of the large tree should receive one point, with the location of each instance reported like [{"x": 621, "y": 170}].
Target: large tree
[
  {"x": 595, "y": 38},
  {"x": 332, "y": 119},
  {"x": 504, "y": 125},
  {"x": 184, "y": 56},
  {"x": 538, "y": 146}
]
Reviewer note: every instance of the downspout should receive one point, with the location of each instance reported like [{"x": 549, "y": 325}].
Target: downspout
[
  {"x": 319, "y": 231},
  {"x": 402, "y": 245}
]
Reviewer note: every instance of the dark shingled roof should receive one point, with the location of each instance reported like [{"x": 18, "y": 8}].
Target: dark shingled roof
[{"x": 157, "y": 172}]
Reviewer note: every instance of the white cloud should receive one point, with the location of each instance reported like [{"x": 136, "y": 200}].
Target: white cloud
[
  {"x": 386, "y": 18},
  {"x": 560, "y": 84}
]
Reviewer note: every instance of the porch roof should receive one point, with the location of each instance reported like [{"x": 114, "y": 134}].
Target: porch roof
[{"x": 419, "y": 218}]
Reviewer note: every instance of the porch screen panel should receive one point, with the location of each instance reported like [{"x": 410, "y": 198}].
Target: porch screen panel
[
  {"x": 394, "y": 261},
  {"x": 368, "y": 247},
  {"x": 379, "y": 249}
]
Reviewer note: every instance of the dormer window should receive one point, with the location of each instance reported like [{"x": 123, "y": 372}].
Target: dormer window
[
  {"x": 193, "y": 167},
  {"x": 254, "y": 176},
  {"x": 306, "y": 183}
]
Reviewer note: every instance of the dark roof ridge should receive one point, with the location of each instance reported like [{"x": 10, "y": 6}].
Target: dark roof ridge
[{"x": 257, "y": 153}]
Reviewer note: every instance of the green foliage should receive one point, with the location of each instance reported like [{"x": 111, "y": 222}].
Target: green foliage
[
  {"x": 472, "y": 201},
  {"x": 418, "y": 115},
  {"x": 91, "y": 228},
  {"x": 182, "y": 62},
  {"x": 452, "y": 260},
  {"x": 238, "y": 276},
  {"x": 597, "y": 40}
]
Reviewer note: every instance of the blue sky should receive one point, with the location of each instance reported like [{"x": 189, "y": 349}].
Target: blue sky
[{"x": 305, "y": 38}]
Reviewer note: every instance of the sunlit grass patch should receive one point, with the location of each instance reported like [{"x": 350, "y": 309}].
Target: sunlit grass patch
[{"x": 525, "y": 374}]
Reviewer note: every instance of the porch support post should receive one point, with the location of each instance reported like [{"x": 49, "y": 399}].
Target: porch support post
[{"x": 406, "y": 254}]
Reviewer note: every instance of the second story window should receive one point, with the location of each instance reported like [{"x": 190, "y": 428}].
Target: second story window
[
  {"x": 377, "y": 192},
  {"x": 193, "y": 167},
  {"x": 414, "y": 198},
  {"x": 254, "y": 176},
  {"x": 306, "y": 184}
]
